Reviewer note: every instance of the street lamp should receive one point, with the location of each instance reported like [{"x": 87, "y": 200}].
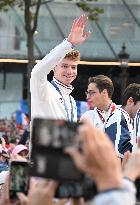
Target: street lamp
[{"x": 124, "y": 59}]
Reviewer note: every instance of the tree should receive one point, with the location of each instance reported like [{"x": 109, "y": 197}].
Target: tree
[
  {"x": 31, "y": 20},
  {"x": 92, "y": 12}
]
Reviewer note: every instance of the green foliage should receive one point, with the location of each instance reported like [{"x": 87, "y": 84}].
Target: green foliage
[
  {"x": 5, "y": 4},
  {"x": 92, "y": 12}
]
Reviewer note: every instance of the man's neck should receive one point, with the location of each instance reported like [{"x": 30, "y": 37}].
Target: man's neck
[
  {"x": 128, "y": 110},
  {"x": 106, "y": 105}
]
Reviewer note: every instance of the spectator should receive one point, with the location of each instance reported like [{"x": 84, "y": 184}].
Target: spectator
[
  {"x": 13, "y": 143},
  {"x": 20, "y": 150},
  {"x": 7, "y": 145},
  {"x": 3, "y": 160}
]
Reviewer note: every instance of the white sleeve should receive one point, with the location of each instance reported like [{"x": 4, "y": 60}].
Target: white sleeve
[
  {"x": 117, "y": 197},
  {"x": 44, "y": 67}
]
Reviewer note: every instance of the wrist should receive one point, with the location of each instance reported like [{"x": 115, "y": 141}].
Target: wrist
[
  {"x": 71, "y": 43},
  {"x": 109, "y": 183}
]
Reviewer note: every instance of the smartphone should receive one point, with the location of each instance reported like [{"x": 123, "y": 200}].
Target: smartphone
[
  {"x": 19, "y": 178},
  {"x": 54, "y": 164},
  {"x": 49, "y": 140}
]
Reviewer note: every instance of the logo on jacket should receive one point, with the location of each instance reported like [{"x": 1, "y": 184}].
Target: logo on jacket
[{"x": 61, "y": 100}]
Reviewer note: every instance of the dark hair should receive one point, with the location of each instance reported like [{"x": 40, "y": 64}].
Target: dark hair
[
  {"x": 103, "y": 82},
  {"x": 13, "y": 140},
  {"x": 132, "y": 90},
  {"x": 6, "y": 138}
]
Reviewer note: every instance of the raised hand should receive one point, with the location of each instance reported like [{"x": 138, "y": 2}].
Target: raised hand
[
  {"x": 98, "y": 158},
  {"x": 43, "y": 194},
  {"x": 77, "y": 34}
]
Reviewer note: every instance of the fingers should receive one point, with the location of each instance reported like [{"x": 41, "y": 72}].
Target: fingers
[
  {"x": 87, "y": 35},
  {"x": 33, "y": 184},
  {"x": 81, "y": 21},
  {"x": 23, "y": 199},
  {"x": 62, "y": 202},
  {"x": 77, "y": 34},
  {"x": 77, "y": 157},
  {"x": 5, "y": 195},
  {"x": 51, "y": 188},
  {"x": 79, "y": 201},
  {"x": 45, "y": 191},
  {"x": 125, "y": 159}
]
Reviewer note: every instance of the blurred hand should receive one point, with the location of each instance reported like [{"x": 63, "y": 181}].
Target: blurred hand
[
  {"x": 98, "y": 158},
  {"x": 43, "y": 194},
  {"x": 79, "y": 201},
  {"x": 5, "y": 194},
  {"x": 77, "y": 34},
  {"x": 125, "y": 159},
  {"x": 132, "y": 167},
  {"x": 5, "y": 200}
]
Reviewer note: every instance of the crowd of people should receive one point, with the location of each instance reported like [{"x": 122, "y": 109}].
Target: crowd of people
[
  {"x": 109, "y": 134},
  {"x": 13, "y": 139}
]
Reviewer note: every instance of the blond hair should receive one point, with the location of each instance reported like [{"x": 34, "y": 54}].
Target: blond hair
[{"x": 73, "y": 55}]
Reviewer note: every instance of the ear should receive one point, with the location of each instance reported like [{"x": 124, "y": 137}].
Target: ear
[
  {"x": 105, "y": 91},
  {"x": 130, "y": 101},
  {"x": 54, "y": 69}
]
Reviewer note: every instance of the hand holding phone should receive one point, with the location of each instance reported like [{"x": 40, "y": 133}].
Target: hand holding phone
[
  {"x": 49, "y": 140},
  {"x": 19, "y": 178}
]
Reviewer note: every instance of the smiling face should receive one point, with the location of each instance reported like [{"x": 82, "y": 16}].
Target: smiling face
[{"x": 66, "y": 71}]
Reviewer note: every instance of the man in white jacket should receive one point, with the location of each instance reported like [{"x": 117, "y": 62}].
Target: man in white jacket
[
  {"x": 53, "y": 100},
  {"x": 131, "y": 104},
  {"x": 107, "y": 115}
]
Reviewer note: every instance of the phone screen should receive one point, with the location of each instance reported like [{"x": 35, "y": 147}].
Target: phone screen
[{"x": 19, "y": 178}]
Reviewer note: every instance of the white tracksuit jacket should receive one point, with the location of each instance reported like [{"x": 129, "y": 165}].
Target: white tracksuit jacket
[{"x": 46, "y": 102}]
